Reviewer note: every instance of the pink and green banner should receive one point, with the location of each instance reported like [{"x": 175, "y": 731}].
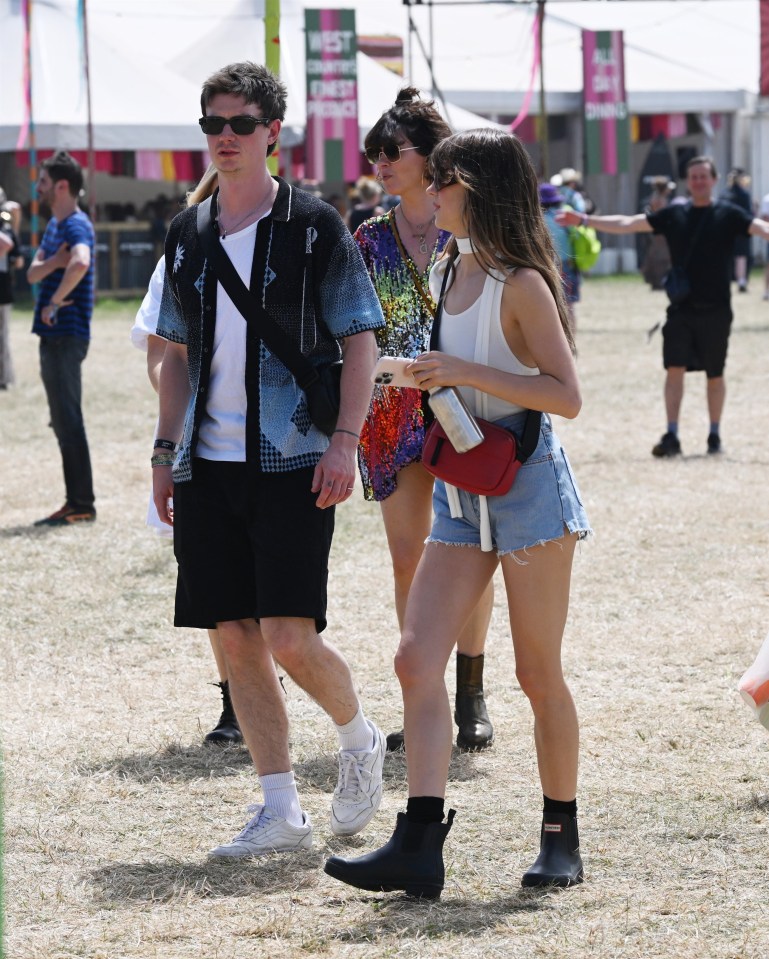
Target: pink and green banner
[
  {"x": 607, "y": 121},
  {"x": 332, "y": 151}
]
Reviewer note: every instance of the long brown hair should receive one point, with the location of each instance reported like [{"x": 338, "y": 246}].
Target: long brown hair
[
  {"x": 205, "y": 187},
  {"x": 501, "y": 206}
]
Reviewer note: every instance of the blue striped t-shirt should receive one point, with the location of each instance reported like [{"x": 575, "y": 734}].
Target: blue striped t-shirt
[{"x": 75, "y": 319}]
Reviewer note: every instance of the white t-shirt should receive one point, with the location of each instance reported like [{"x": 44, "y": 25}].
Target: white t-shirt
[
  {"x": 223, "y": 429},
  {"x": 146, "y": 322}
]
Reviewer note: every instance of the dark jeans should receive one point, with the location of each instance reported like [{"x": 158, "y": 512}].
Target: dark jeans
[{"x": 60, "y": 360}]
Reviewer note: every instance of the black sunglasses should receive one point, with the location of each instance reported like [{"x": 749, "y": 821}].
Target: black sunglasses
[
  {"x": 242, "y": 125},
  {"x": 441, "y": 178},
  {"x": 391, "y": 153}
]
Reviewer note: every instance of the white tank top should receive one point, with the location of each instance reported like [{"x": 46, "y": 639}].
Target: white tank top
[{"x": 463, "y": 335}]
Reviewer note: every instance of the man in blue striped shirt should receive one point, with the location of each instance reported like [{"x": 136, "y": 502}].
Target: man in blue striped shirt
[{"x": 64, "y": 268}]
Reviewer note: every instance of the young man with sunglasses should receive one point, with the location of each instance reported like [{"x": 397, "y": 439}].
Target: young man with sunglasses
[{"x": 254, "y": 482}]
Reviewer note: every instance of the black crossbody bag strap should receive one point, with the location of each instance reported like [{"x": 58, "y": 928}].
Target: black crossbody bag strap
[
  {"x": 530, "y": 436},
  {"x": 247, "y": 303}
]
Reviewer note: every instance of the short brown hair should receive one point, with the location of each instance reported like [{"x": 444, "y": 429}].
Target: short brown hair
[
  {"x": 703, "y": 161},
  {"x": 61, "y": 166},
  {"x": 251, "y": 81}
]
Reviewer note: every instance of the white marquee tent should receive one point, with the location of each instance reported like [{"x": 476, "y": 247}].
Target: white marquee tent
[{"x": 147, "y": 61}]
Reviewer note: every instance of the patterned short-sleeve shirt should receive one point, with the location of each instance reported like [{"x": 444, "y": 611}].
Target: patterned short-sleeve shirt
[{"x": 312, "y": 281}]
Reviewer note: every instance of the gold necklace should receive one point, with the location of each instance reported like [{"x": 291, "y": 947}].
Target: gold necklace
[{"x": 416, "y": 228}]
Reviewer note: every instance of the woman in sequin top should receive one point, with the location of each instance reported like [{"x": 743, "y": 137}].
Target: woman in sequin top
[{"x": 399, "y": 249}]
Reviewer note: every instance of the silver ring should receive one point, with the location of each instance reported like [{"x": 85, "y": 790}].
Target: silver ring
[{"x": 350, "y": 488}]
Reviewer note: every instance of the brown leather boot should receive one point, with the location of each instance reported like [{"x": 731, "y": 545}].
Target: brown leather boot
[{"x": 470, "y": 715}]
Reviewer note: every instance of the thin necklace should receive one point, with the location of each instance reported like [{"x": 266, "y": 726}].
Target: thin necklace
[
  {"x": 419, "y": 231},
  {"x": 223, "y": 231}
]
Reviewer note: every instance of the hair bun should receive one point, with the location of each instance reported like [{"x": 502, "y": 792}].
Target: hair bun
[{"x": 407, "y": 95}]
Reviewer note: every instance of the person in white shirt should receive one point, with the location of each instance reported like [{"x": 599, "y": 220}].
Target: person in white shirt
[{"x": 143, "y": 336}]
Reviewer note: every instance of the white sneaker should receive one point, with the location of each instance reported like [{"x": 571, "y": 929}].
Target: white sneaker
[
  {"x": 267, "y": 832},
  {"x": 359, "y": 790}
]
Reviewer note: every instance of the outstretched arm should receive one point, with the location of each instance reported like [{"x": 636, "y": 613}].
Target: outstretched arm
[{"x": 616, "y": 223}]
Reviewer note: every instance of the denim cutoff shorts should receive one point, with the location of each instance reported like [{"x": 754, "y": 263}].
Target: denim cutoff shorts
[{"x": 543, "y": 501}]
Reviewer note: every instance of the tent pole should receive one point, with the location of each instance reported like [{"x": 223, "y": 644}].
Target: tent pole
[
  {"x": 544, "y": 150},
  {"x": 272, "y": 58},
  {"x": 34, "y": 205},
  {"x": 91, "y": 160}
]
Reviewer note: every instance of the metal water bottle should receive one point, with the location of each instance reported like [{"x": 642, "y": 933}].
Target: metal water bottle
[{"x": 452, "y": 413}]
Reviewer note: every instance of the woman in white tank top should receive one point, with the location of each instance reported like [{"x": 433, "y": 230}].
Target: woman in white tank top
[{"x": 505, "y": 342}]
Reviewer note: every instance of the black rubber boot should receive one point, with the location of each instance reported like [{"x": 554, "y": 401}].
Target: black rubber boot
[
  {"x": 396, "y": 742},
  {"x": 227, "y": 731},
  {"x": 411, "y": 860},
  {"x": 475, "y": 729},
  {"x": 558, "y": 862}
]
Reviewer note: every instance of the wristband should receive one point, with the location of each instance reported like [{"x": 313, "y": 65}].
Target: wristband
[
  {"x": 162, "y": 459},
  {"x": 585, "y": 218},
  {"x": 165, "y": 445},
  {"x": 349, "y": 433}
]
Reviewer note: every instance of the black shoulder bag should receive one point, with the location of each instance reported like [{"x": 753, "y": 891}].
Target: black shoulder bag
[{"x": 321, "y": 385}]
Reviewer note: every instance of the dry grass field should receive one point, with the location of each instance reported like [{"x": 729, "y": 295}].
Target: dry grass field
[{"x": 111, "y": 801}]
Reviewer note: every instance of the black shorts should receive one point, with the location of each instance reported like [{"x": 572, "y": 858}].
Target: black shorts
[
  {"x": 249, "y": 545},
  {"x": 696, "y": 337}
]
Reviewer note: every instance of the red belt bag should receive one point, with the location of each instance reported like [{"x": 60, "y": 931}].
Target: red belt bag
[{"x": 488, "y": 469}]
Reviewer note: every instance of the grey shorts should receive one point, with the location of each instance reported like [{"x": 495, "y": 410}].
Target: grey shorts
[{"x": 543, "y": 503}]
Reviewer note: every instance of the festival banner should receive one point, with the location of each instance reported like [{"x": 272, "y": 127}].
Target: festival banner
[
  {"x": 332, "y": 151},
  {"x": 607, "y": 122}
]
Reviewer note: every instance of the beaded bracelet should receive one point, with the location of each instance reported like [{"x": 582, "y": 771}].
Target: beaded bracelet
[
  {"x": 162, "y": 459},
  {"x": 165, "y": 445},
  {"x": 349, "y": 433}
]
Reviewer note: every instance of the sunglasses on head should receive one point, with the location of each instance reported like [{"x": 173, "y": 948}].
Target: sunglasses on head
[
  {"x": 241, "y": 125},
  {"x": 390, "y": 153}
]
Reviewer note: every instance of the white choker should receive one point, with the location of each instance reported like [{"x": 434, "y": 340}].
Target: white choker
[{"x": 465, "y": 244}]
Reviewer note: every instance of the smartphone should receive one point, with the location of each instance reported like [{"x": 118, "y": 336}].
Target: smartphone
[{"x": 391, "y": 371}]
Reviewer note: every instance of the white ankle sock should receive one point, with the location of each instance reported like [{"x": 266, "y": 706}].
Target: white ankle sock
[
  {"x": 280, "y": 794},
  {"x": 355, "y": 736}
]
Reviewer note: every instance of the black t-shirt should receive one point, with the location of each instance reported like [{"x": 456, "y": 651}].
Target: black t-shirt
[{"x": 701, "y": 240}]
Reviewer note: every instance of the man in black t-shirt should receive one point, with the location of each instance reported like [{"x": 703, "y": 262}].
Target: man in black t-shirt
[{"x": 701, "y": 237}]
